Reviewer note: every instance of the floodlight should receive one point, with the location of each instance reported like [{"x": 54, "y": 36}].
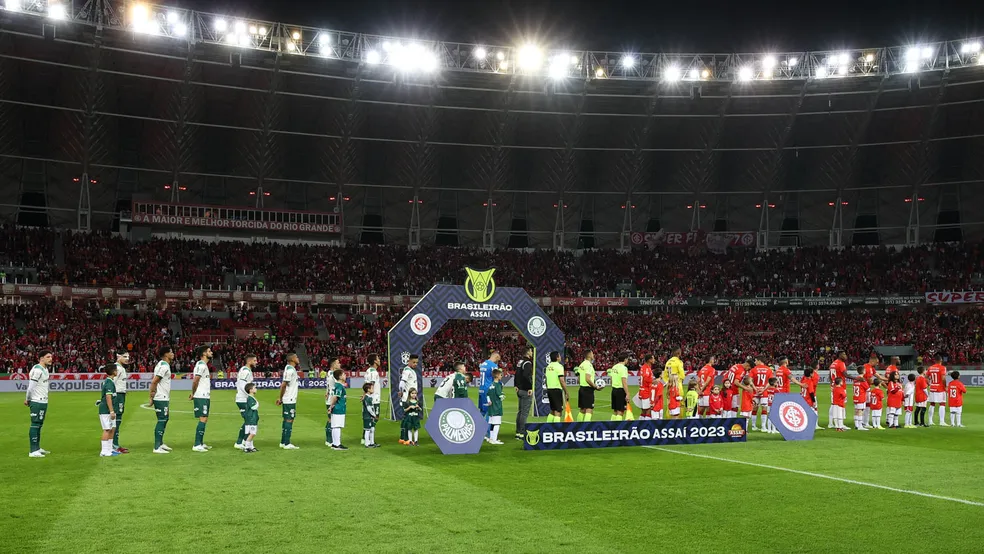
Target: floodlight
[
  {"x": 842, "y": 70},
  {"x": 373, "y": 57},
  {"x": 705, "y": 74},
  {"x": 291, "y": 46},
  {"x": 694, "y": 74},
  {"x": 791, "y": 62},
  {"x": 231, "y": 38},
  {"x": 13, "y": 5},
  {"x": 387, "y": 46},
  {"x": 240, "y": 27},
  {"x": 244, "y": 40},
  {"x": 845, "y": 58},
  {"x": 221, "y": 25},
  {"x": 927, "y": 52},
  {"x": 575, "y": 59},
  {"x": 821, "y": 72},
  {"x": 173, "y": 17},
  {"x": 57, "y": 11},
  {"x": 324, "y": 38},
  {"x": 427, "y": 62},
  {"x": 504, "y": 65},
  {"x": 180, "y": 30},
  {"x": 628, "y": 61},
  {"x": 139, "y": 13},
  {"x": 479, "y": 52},
  {"x": 253, "y": 30},
  {"x": 599, "y": 73},
  {"x": 263, "y": 31},
  {"x": 745, "y": 74},
  {"x": 558, "y": 70},
  {"x": 970, "y": 48},
  {"x": 529, "y": 57},
  {"x": 295, "y": 35},
  {"x": 869, "y": 58},
  {"x": 912, "y": 54},
  {"x": 769, "y": 62},
  {"x": 767, "y": 73}
]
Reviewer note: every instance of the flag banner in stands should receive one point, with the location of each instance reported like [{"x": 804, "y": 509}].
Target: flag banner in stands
[
  {"x": 961, "y": 297},
  {"x": 648, "y": 432}
]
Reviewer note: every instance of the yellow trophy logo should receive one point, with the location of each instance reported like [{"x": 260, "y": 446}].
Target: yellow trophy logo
[
  {"x": 479, "y": 286},
  {"x": 533, "y": 437}
]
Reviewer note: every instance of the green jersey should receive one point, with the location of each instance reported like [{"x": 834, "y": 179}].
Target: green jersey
[
  {"x": 339, "y": 393},
  {"x": 108, "y": 387},
  {"x": 460, "y": 386},
  {"x": 368, "y": 408},
  {"x": 554, "y": 373},
  {"x": 587, "y": 374},
  {"x": 617, "y": 372},
  {"x": 252, "y": 414},
  {"x": 495, "y": 398},
  {"x": 691, "y": 399}
]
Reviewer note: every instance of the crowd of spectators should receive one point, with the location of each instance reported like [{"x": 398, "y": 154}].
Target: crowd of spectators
[
  {"x": 104, "y": 259},
  {"x": 85, "y": 337}
]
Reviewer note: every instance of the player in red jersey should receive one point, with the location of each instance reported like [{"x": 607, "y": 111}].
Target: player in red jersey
[
  {"x": 936, "y": 374},
  {"x": 892, "y": 367},
  {"x": 646, "y": 387},
  {"x": 922, "y": 394},
  {"x": 735, "y": 375},
  {"x": 705, "y": 381},
  {"x": 808, "y": 387},
  {"x": 838, "y": 370},
  {"x": 870, "y": 372},
  {"x": 715, "y": 402},
  {"x": 861, "y": 388},
  {"x": 783, "y": 375},
  {"x": 760, "y": 375},
  {"x": 838, "y": 401},
  {"x": 674, "y": 397},
  {"x": 875, "y": 397},
  {"x": 657, "y": 399},
  {"x": 726, "y": 399},
  {"x": 895, "y": 399},
  {"x": 748, "y": 393},
  {"x": 955, "y": 392}
]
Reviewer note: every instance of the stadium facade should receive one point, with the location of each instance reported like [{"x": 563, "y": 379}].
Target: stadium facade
[{"x": 103, "y": 106}]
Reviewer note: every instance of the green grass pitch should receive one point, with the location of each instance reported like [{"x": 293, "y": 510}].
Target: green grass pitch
[{"x": 896, "y": 490}]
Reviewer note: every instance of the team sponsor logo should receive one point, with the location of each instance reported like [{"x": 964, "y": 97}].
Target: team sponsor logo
[
  {"x": 479, "y": 286},
  {"x": 457, "y": 426},
  {"x": 736, "y": 431},
  {"x": 420, "y": 324},
  {"x": 536, "y": 326},
  {"x": 793, "y": 416},
  {"x": 533, "y": 437}
]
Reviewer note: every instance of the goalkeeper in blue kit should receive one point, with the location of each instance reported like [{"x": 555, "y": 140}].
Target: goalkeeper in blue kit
[{"x": 485, "y": 380}]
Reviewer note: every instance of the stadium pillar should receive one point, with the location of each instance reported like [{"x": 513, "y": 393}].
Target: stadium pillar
[
  {"x": 625, "y": 241},
  {"x": 695, "y": 215},
  {"x": 414, "y": 239},
  {"x": 837, "y": 225},
  {"x": 488, "y": 234},
  {"x": 259, "y": 196},
  {"x": 912, "y": 229},
  {"x": 558, "y": 235},
  {"x": 85, "y": 205},
  {"x": 762, "y": 238},
  {"x": 927, "y": 154}
]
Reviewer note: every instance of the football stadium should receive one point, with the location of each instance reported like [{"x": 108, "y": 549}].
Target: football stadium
[{"x": 492, "y": 297}]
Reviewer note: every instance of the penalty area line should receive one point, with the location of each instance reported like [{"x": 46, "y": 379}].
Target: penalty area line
[{"x": 822, "y": 476}]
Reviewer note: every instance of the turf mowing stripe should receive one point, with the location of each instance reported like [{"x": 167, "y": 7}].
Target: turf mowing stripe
[{"x": 822, "y": 476}]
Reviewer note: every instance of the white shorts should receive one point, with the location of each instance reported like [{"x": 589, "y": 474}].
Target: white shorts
[
  {"x": 746, "y": 414},
  {"x": 734, "y": 403},
  {"x": 956, "y": 410},
  {"x": 657, "y": 414},
  {"x": 337, "y": 421},
  {"x": 107, "y": 422},
  {"x": 762, "y": 401},
  {"x": 645, "y": 403},
  {"x": 907, "y": 402},
  {"x": 873, "y": 409},
  {"x": 840, "y": 412},
  {"x": 675, "y": 412},
  {"x": 250, "y": 429},
  {"x": 704, "y": 402},
  {"x": 920, "y": 404},
  {"x": 895, "y": 411},
  {"x": 495, "y": 420},
  {"x": 937, "y": 398}
]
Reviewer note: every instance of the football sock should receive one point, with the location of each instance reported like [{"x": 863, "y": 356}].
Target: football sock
[
  {"x": 617, "y": 418},
  {"x": 328, "y": 433},
  {"x": 288, "y": 431},
  {"x": 372, "y": 435},
  {"x": 107, "y": 447},
  {"x": 953, "y": 418},
  {"x": 116, "y": 432},
  {"x": 34, "y": 434},
  {"x": 242, "y": 434},
  {"x": 875, "y": 419},
  {"x": 159, "y": 433},
  {"x": 959, "y": 418},
  {"x": 932, "y": 412},
  {"x": 580, "y": 416},
  {"x": 550, "y": 418},
  {"x": 587, "y": 417},
  {"x": 494, "y": 432},
  {"x": 942, "y": 415},
  {"x": 416, "y": 434},
  {"x": 365, "y": 437},
  {"x": 336, "y": 436},
  {"x": 763, "y": 419},
  {"x": 200, "y": 434}
]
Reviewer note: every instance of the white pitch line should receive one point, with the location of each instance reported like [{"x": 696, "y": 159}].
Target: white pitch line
[{"x": 822, "y": 476}]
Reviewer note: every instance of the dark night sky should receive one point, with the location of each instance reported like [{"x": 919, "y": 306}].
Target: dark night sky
[{"x": 679, "y": 25}]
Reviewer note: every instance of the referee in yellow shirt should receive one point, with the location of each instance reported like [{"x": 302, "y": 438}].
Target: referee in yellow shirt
[
  {"x": 674, "y": 369},
  {"x": 586, "y": 391}
]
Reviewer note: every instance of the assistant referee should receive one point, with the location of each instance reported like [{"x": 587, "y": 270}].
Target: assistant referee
[
  {"x": 586, "y": 392},
  {"x": 556, "y": 388},
  {"x": 620, "y": 387}
]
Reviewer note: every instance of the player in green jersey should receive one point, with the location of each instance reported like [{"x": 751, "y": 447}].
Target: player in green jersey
[
  {"x": 201, "y": 394},
  {"x": 411, "y": 417},
  {"x": 495, "y": 398},
  {"x": 160, "y": 397},
  {"x": 122, "y": 360},
  {"x": 288, "y": 400},
  {"x": 370, "y": 414},
  {"x": 243, "y": 378},
  {"x": 37, "y": 401},
  {"x": 107, "y": 411},
  {"x": 461, "y": 380},
  {"x": 336, "y": 412},
  {"x": 251, "y": 417},
  {"x": 691, "y": 399}
]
